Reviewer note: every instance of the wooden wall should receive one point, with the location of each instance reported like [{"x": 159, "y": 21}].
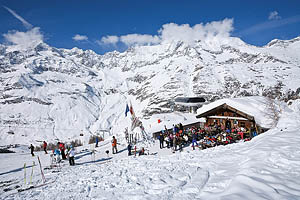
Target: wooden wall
[{"x": 221, "y": 122}]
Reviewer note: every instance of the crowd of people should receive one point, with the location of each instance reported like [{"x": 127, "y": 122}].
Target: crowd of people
[
  {"x": 61, "y": 152},
  {"x": 203, "y": 138},
  {"x": 175, "y": 139}
]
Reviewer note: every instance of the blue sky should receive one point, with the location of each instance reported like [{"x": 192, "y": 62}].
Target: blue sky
[{"x": 108, "y": 25}]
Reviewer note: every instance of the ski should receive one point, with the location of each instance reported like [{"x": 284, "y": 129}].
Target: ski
[
  {"x": 33, "y": 164},
  {"x": 24, "y": 173},
  {"x": 29, "y": 188},
  {"x": 103, "y": 162},
  {"x": 34, "y": 186}
]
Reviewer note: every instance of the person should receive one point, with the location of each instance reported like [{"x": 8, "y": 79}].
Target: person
[
  {"x": 97, "y": 140},
  {"x": 129, "y": 149},
  {"x": 31, "y": 149},
  {"x": 180, "y": 143},
  {"x": 71, "y": 155},
  {"x": 186, "y": 138},
  {"x": 194, "y": 141},
  {"x": 166, "y": 130},
  {"x": 45, "y": 147},
  {"x": 142, "y": 152},
  {"x": 61, "y": 147},
  {"x": 126, "y": 134},
  {"x": 161, "y": 140},
  {"x": 56, "y": 154},
  {"x": 174, "y": 143},
  {"x": 167, "y": 139},
  {"x": 114, "y": 145},
  {"x": 180, "y": 126}
]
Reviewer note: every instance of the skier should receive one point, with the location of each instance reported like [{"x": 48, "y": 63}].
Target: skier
[
  {"x": 114, "y": 145},
  {"x": 142, "y": 152},
  {"x": 174, "y": 143},
  {"x": 97, "y": 140},
  {"x": 129, "y": 149},
  {"x": 71, "y": 155},
  {"x": 161, "y": 140},
  {"x": 194, "y": 141},
  {"x": 61, "y": 147},
  {"x": 56, "y": 154},
  {"x": 45, "y": 147},
  {"x": 31, "y": 149}
]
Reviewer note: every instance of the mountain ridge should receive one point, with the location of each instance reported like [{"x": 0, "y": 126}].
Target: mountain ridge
[{"x": 86, "y": 92}]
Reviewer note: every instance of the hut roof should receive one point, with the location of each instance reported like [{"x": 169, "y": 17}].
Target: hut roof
[{"x": 253, "y": 108}]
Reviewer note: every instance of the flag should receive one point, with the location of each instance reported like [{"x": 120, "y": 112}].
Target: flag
[
  {"x": 127, "y": 110},
  {"x": 158, "y": 120},
  {"x": 131, "y": 111}
]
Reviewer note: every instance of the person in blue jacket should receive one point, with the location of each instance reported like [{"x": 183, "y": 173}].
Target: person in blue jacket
[
  {"x": 194, "y": 141},
  {"x": 97, "y": 140}
]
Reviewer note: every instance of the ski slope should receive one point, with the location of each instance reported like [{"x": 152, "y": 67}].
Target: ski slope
[{"x": 267, "y": 167}]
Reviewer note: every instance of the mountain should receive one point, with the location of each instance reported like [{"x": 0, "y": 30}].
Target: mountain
[{"x": 48, "y": 93}]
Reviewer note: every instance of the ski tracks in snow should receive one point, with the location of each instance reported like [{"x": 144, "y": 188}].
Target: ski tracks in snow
[{"x": 148, "y": 177}]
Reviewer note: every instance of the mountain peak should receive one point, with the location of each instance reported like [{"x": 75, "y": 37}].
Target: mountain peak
[{"x": 282, "y": 43}]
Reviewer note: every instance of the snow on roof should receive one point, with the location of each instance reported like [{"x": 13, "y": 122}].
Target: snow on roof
[{"x": 258, "y": 107}]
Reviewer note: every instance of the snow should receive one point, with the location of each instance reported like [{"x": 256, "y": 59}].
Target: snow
[
  {"x": 267, "y": 167},
  {"x": 87, "y": 92},
  {"x": 62, "y": 93}
]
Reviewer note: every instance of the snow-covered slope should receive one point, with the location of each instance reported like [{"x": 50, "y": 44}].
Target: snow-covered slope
[
  {"x": 267, "y": 167},
  {"x": 48, "y": 93}
]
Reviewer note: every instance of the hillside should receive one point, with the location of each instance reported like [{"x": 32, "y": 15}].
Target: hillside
[{"x": 49, "y": 93}]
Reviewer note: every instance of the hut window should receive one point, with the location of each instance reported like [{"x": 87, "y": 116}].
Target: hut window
[{"x": 242, "y": 124}]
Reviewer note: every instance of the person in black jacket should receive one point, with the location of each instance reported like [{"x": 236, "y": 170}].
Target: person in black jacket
[
  {"x": 161, "y": 140},
  {"x": 129, "y": 149},
  {"x": 31, "y": 149}
]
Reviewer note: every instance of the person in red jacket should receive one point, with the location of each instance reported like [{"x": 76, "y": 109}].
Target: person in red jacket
[
  {"x": 45, "y": 147},
  {"x": 114, "y": 145},
  {"x": 61, "y": 147}
]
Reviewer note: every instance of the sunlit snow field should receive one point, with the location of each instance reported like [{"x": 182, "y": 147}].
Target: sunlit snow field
[{"x": 267, "y": 167}]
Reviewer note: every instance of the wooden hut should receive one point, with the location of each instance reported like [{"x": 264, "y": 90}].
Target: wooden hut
[
  {"x": 228, "y": 117},
  {"x": 229, "y": 113}
]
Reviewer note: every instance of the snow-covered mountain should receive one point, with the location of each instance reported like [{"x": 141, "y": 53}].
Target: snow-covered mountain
[{"x": 48, "y": 93}]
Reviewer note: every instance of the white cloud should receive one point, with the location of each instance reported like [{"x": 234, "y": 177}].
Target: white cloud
[
  {"x": 78, "y": 37},
  {"x": 138, "y": 39},
  {"x": 204, "y": 32},
  {"x": 274, "y": 16},
  {"x": 216, "y": 30},
  {"x": 24, "y": 22},
  {"x": 24, "y": 39},
  {"x": 110, "y": 39},
  {"x": 270, "y": 24}
]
